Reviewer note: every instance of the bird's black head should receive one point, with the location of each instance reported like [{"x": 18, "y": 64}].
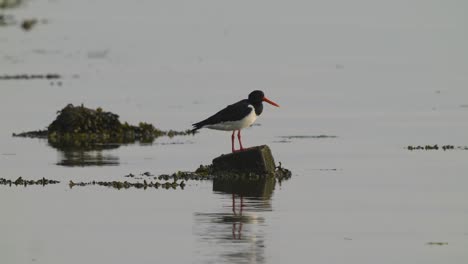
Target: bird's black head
[{"x": 256, "y": 97}]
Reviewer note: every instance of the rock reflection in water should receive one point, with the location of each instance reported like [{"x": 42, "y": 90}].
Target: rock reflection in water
[
  {"x": 96, "y": 155},
  {"x": 87, "y": 158},
  {"x": 235, "y": 233}
]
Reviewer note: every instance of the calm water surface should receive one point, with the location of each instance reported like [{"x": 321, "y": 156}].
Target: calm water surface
[{"x": 379, "y": 77}]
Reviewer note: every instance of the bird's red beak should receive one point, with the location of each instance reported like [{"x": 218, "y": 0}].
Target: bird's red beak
[{"x": 270, "y": 102}]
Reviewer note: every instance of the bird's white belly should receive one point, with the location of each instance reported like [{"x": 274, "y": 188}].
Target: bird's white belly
[{"x": 236, "y": 125}]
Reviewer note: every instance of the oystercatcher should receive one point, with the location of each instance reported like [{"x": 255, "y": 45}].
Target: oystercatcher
[{"x": 236, "y": 116}]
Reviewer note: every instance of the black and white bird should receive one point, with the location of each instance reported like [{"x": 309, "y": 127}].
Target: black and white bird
[{"x": 236, "y": 116}]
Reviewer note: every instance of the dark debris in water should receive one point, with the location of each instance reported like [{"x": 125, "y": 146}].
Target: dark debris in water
[
  {"x": 282, "y": 141},
  {"x": 437, "y": 243},
  {"x": 47, "y": 76},
  {"x": 289, "y": 139},
  {"x": 307, "y": 136},
  {"x": 22, "y": 182},
  {"x": 127, "y": 185},
  {"x": 28, "y": 24},
  {"x": 437, "y": 147}
]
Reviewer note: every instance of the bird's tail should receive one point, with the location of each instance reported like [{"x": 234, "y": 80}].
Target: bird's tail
[{"x": 197, "y": 126}]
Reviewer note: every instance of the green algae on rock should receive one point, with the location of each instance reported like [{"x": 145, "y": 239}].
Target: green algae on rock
[
  {"x": 252, "y": 164},
  {"x": 257, "y": 160},
  {"x": 209, "y": 172},
  {"x": 79, "y": 126}
]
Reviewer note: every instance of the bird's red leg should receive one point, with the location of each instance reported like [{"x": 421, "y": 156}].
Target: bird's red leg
[
  {"x": 232, "y": 141},
  {"x": 239, "y": 138},
  {"x": 239, "y": 232},
  {"x": 234, "y": 204}
]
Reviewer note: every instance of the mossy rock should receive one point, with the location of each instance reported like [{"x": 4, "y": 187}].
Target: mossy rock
[
  {"x": 257, "y": 160},
  {"x": 82, "y": 127},
  {"x": 79, "y": 119}
]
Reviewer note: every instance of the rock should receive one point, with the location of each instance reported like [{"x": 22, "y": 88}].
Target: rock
[
  {"x": 80, "y": 119},
  {"x": 257, "y": 160}
]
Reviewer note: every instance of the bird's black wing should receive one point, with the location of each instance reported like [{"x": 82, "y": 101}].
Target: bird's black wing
[{"x": 232, "y": 112}]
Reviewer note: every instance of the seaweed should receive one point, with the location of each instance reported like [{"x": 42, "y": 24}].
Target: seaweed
[
  {"x": 437, "y": 243},
  {"x": 436, "y": 147},
  {"x": 28, "y": 24},
  {"x": 285, "y": 138},
  {"x": 176, "y": 180},
  {"x": 127, "y": 185},
  {"x": 10, "y": 3},
  {"x": 22, "y": 182},
  {"x": 48, "y": 76}
]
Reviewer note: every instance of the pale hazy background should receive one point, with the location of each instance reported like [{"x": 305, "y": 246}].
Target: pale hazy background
[{"x": 379, "y": 75}]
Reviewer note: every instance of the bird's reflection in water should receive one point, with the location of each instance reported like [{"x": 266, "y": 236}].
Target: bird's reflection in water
[{"x": 235, "y": 233}]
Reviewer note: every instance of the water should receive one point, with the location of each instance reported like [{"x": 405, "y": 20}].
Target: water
[{"x": 379, "y": 77}]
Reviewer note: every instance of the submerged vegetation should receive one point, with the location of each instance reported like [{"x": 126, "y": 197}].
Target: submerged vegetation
[
  {"x": 289, "y": 139},
  {"x": 82, "y": 127},
  {"x": 47, "y": 76},
  {"x": 177, "y": 180},
  {"x": 22, "y": 182},
  {"x": 210, "y": 172},
  {"x": 437, "y": 243},
  {"x": 307, "y": 136},
  {"x": 9, "y": 20},
  {"x": 437, "y": 147},
  {"x": 9, "y": 3},
  {"x": 127, "y": 185}
]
